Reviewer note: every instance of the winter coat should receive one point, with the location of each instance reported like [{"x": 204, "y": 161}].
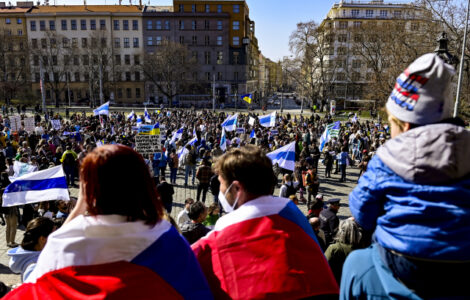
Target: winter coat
[{"x": 23, "y": 261}]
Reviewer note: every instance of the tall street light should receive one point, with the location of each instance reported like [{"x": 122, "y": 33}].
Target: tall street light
[{"x": 459, "y": 85}]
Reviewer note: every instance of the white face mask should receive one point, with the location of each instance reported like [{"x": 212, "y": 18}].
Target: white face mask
[{"x": 223, "y": 201}]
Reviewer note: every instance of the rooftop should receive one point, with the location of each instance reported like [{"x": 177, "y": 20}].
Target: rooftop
[{"x": 86, "y": 9}]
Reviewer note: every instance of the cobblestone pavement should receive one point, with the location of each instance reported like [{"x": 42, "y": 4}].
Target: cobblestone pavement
[{"x": 330, "y": 188}]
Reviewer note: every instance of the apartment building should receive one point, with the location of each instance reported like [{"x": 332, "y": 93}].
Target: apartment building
[
  {"x": 14, "y": 66},
  {"x": 89, "y": 53},
  {"x": 349, "y": 75}
]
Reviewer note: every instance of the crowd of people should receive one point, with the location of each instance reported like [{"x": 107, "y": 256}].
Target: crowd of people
[{"x": 409, "y": 215}]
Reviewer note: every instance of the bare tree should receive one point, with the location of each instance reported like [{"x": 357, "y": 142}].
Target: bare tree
[{"x": 169, "y": 69}]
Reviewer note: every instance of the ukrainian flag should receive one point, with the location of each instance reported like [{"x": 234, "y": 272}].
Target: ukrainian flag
[
  {"x": 150, "y": 129},
  {"x": 247, "y": 98},
  {"x": 156, "y": 129}
]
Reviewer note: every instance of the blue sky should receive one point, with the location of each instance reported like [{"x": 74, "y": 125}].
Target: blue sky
[{"x": 275, "y": 19}]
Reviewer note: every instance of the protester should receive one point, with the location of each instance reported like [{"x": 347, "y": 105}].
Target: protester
[
  {"x": 414, "y": 196},
  {"x": 234, "y": 256},
  {"x": 183, "y": 214},
  {"x": 23, "y": 258},
  {"x": 315, "y": 223},
  {"x": 329, "y": 220},
  {"x": 213, "y": 213},
  {"x": 193, "y": 230},
  {"x": 288, "y": 187},
  {"x": 166, "y": 191},
  {"x": 203, "y": 175},
  {"x": 115, "y": 242}
]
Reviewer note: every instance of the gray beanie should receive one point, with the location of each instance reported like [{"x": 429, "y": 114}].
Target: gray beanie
[{"x": 422, "y": 93}]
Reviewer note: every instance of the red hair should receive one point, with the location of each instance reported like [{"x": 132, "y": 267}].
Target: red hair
[{"x": 117, "y": 181}]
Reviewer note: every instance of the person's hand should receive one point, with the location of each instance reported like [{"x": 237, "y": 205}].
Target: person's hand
[{"x": 81, "y": 207}]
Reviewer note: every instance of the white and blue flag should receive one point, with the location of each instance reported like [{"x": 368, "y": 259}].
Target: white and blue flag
[
  {"x": 102, "y": 110},
  {"x": 139, "y": 121},
  {"x": 284, "y": 157},
  {"x": 354, "y": 119},
  {"x": 46, "y": 185},
  {"x": 183, "y": 151},
  {"x": 177, "y": 135},
  {"x": 268, "y": 120},
  {"x": 223, "y": 141},
  {"x": 147, "y": 116},
  {"x": 331, "y": 130},
  {"x": 230, "y": 124},
  {"x": 252, "y": 134},
  {"x": 131, "y": 115}
]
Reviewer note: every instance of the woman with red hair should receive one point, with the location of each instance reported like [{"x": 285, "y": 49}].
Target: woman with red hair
[{"x": 115, "y": 244}]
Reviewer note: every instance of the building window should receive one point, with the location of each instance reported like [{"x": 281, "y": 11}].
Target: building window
[
  {"x": 343, "y": 24},
  {"x": 193, "y": 25},
  {"x": 135, "y": 24},
  {"x": 126, "y": 43},
  {"x": 125, "y": 25},
  {"x": 149, "y": 41},
  {"x": 54, "y": 60},
  {"x": 136, "y": 60},
  {"x": 207, "y": 58},
  {"x": 52, "y": 25},
  {"x": 93, "y": 24},
  {"x": 158, "y": 25},
  {"x": 193, "y": 8},
  {"x": 74, "y": 42},
  {"x": 158, "y": 40},
  {"x": 34, "y": 43},
  {"x": 65, "y": 42},
  {"x": 369, "y": 13},
  {"x": 208, "y": 76},
  {"x": 85, "y": 60},
  {"x": 219, "y": 25},
  {"x": 357, "y": 24},
  {"x": 76, "y": 61},
  {"x": 117, "y": 59},
  {"x": 73, "y": 24},
  {"x": 63, "y": 24},
  {"x": 236, "y": 58},
  {"x": 181, "y": 25},
  {"x": 397, "y": 14},
  {"x": 104, "y": 42},
  {"x": 219, "y": 41},
  {"x": 207, "y": 24},
  {"x": 43, "y": 43},
  {"x": 356, "y": 64},
  {"x": 194, "y": 40},
  {"x": 36, "y": 60},
  {"x": 116, "y": 24},
  {"x": 181, "y": 39},
  {"x": 32, "y": 25},
  {"x": 20, "y": 32},
  {"x": 137, "y": 76},
  {"x": 136, "y": 42},
  {"x": 235, "y": 76},
  {"x": 414, "y": 26},
  {"x": 341, "y": 76},
  {"x": 127, "y": 59},
  {"x": 194, "y": 56},
  {"x": 236, "y": 41},
  {"x": 149, "y": 25},
  {"x": 19, "y": 21},
  {"x": 236, "y": 25},
  {"x": 7, "y": 21},
  {"x": 102, "y": 24},
  {"x": 167, "y": 25},
  {"x": 42, "y": 25},
  {"x": 383, "y": 13},
  {"x": 84, "y": 42},
  {"x": 342, "y": 38},
  {"x": 117, "y": 43},
  {"x": 355, "y": 12},
  {"x": 220, "y": 57},
  {"x": 208, "y": 8},
  {"x": 219, "y": 8},
  {"x": 236, "y": 8},
  {"x": 137, "y": 90},
  {"x": 128, "y": 90},
  {"x": 207, "y": 40},
  {"x": 83, "y": 24},
  {"x": 181, "y": 8}
]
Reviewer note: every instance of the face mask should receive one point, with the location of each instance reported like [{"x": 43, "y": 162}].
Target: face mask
[{"x": 223, "y": 201}]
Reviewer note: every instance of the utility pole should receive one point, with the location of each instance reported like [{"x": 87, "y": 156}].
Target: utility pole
[
  {"x": 213, "y": 93},
  {"x": 101, "y": 84},
  {"x": 462, "y": 62},
  {"x": 43, "y": 93}
]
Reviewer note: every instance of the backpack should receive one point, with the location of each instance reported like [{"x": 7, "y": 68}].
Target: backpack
[
  {"x": 290, "y": 190},
  {"x": 214, "y": 184},
  {"x": 69, "y": 159}
]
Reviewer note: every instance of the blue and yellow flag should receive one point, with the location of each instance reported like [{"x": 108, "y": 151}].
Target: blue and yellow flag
[
  {"x": 150, "y": 129},
  {"x": 247, "y": 98}
]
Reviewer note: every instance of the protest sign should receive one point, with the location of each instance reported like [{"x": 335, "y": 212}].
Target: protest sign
[
  {"x": 29, "y": 124},
  {"x": 55, "y": 124},
  {"x": 148, "y": 144},
  {"x": 15, "y": 123}
]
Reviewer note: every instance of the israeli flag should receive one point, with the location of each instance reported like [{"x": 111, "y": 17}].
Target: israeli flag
[
  {"x": 46, "y": 185},
  {"x": 177, "y": 135},
  {"x": 230, "y": 124},
  {"x": 284, "y": 157},
  {"x": 102, "y": 110},
  {"x": 147, "y": 116},
  {"x": 252, "y": 134},
  {"x": 131, "y": 115},
  {"x": 223, "y": 141},
  {"x": 268, "y": 120}
]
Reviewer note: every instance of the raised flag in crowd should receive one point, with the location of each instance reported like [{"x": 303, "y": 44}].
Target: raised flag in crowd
[
  {"x": 331, "y": 130},
  {"x": 177, "y": 135},
  {"x": 150, "y": 129},
  {"x": 139, "y": 121},
  {"x": 230, "y": 124},
  {"x": 45, "y": 185},
  {"x": 223, "y": 141},
  {"x": 102, "y": 110},
  {"x": 147, "y": 116},
  {"x": 247, "y": 98},
  {"x": 55, "y": 124},
  {"x": 284, "y": 157},
  {"x": 268, "y": 120},
  {"x": 131, "y": 115},
  {"x": 252, "y": 134}
]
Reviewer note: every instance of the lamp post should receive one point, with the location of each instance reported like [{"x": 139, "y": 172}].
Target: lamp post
[{"x": 459, "y": 85}]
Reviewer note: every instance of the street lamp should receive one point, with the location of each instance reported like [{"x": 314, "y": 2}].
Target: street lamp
[{"x": 459, "y": 85}]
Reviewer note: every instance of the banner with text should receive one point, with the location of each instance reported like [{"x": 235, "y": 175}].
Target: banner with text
[{"x": 148, "y": 144}]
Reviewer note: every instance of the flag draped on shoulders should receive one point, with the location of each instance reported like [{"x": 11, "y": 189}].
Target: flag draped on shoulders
[
  {"x": 80, "y": 261},
  {"x": 238, "y": 264}
]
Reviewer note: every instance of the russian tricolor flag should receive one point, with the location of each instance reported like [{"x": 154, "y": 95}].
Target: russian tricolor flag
[
  {"x": 265, "y": 249},
  {"x": 105, "y": 257}
]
